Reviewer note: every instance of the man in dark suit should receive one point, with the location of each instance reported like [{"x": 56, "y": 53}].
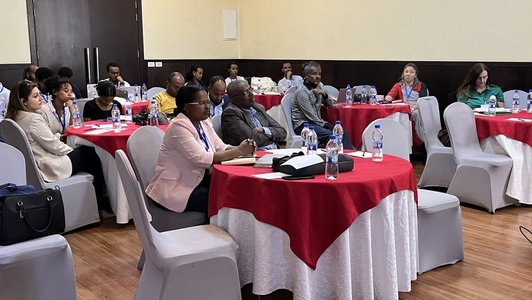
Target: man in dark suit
[{"x": 245, "y": 119}]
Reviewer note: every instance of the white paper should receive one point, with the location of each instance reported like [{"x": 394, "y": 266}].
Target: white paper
[
  {"x": 498, "y": 109},
  {"x": 98, "y": 131},
  {"x": 360, "y": 154},
  {"x": 302, "y": 161},
  {"x": 273, "y": 175},
  {"x": 106, "y": 126},
  {"x": 290, "y": 151},
  {"x": 520, "y": 119}
]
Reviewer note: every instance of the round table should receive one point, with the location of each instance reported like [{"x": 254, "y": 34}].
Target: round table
[
  {"x": 268, "y": 100},
  {"x": 358, "y": 116},
  {"x": 311, "y": 216}
]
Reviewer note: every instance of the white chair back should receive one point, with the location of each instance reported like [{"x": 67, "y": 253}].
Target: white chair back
[
  {"x": 217, "y": 125},
  {"x": 508, "y": 98},
  {"x": 81, "y": 105},
  {"x": 462, "y": 129},
  {"x": 13, "y": 165},
  {"x": 154, "y": 90},
  {"x": 429, "y": 112},
  {"x": 291, "y": 89},
  {"x": 292, "y": 140},
  {"x": 331, "y": 91},
  {"x": 143, "y": 147},
  {"x": 395, "y": 141}
]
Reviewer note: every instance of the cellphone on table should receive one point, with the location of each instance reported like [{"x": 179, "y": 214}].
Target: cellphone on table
[{"x": 292, "y": 177}]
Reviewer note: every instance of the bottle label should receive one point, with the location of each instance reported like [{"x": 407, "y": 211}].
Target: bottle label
[
  {"x": 377, "y": 145},
  {"x": 312, "y": 146}
]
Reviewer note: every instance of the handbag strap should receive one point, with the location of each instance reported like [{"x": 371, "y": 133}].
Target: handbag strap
[{"x": 20, "y": 207}]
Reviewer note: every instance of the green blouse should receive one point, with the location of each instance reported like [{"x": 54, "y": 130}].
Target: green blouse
[{"x": 475, "y": 99}]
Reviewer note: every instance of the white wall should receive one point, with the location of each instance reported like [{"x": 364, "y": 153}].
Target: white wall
[{"x": 14, "y": 34}]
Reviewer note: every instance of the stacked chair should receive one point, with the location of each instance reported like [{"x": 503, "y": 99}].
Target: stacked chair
[
  {"x": 481, "y": 178},
  {"x": 440, "y": 239}
]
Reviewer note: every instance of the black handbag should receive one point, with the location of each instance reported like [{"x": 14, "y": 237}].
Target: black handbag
[
  {"x": 27, "y": 214},
  {"x": 345, "y": 164}
]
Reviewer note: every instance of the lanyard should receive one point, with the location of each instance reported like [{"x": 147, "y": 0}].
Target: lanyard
[
  {"x": 203, "y": 137},
  {"x": 62, "y": 120},
  {"x": 408, "y": 92}
]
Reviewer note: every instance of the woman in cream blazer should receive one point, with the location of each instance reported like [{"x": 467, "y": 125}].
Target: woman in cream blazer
[{"x": 190, "y": 147}]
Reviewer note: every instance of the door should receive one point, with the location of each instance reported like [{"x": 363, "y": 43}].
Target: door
[{"x": 64, "y": 28}]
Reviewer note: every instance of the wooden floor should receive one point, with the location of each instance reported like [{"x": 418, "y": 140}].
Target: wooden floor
[{"x": 497, "y": 263}]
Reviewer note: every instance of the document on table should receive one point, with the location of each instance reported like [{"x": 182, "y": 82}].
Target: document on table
[
  {"x": 273, "y": 175},
  {"x": 360, "y": 154},
  {"x": 520, "y": 119}
]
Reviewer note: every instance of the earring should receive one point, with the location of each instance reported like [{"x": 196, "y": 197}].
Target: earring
[{"x": 25, "y": 104}]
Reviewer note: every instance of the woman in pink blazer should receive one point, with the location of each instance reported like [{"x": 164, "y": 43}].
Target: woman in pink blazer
[{"x": 190, "y": 147}]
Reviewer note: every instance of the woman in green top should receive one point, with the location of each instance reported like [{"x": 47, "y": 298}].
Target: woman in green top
[{"x": 475, "y": 90}]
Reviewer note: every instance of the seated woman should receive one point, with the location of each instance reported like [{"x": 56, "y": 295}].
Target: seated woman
[
  {"x": 57, "y": 111},
  {"x": 194, "y": 77},
  {"x": 408, "y": 90},
  {"x": 55, "y": 159},
  {"x": 100, "y": 108},
  {"x": 476, "y": 89},
  {"x": 190, "y": 147},
  {"x": 232, "y": 69}
]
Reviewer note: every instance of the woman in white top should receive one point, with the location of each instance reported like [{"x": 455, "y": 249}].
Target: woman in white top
[
  {"x": 57, "y": 111},
  {"x": 232, "y": 68}
]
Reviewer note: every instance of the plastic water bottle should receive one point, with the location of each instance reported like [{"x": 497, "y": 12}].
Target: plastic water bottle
[
  {"x": 115, "y": 114},
  {"x": 529, "y": 105},
  {"x": 348, "y": 96},
  {"x": 331, "y": 165},
  {"x": 312, "y": 141},
  {"x": 153, "y": 118},
  {"x": 338, "y": 132},
  {"x": 128, "y": 111},
  {"x": 377, "y": 136},
  {"x": 364, "y": 95},
  {"x": 259, "y": 86},
  {"x": 515, "y": 102},
  {"x": 136, "y": 97},
  {"x": 144, "y": 92},
  {"x": 304, "y": 134},
  {"x": 372, "y": 95},
  {"x": 76, "y": 116},
  {"x": 492, "y": 108}
]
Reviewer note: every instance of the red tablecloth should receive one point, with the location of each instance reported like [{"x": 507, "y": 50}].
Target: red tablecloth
[
  {"x": 138, "y": 106},
  {"x": 312, "y": 212},
  {"x": 517, "y": 130},
  {"x": 357, "y": 117},
  {"x": 268, "y": 101},
  {"x": 109, "y": 141}
]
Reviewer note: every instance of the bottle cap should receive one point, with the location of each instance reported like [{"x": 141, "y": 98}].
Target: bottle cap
[
  {"x": 377, "y": 126},
  {"x": 338, "y": 122},
  {"x": 332, "y": 137},
  {"x": 348, "y": 86},
  {"x": 306, "y": 123},
  {"x": 311, "y": 127}
]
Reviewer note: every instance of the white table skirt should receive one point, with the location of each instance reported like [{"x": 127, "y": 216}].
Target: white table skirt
[
  {"x": 374, "y": 259},
  {"x": 519, "y": 184},
  {"x": 117, "y": 195}
]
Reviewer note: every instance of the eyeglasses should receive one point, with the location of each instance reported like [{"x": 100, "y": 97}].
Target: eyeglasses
[{"x": 207, "y": 103}]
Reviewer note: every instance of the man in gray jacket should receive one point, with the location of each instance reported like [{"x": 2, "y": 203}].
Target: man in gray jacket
[{"x": 245, "y": 119}]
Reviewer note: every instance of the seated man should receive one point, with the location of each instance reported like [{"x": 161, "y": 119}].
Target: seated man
[
  {"x": 245, "y": 119},
  {"x": 306, "y": 106},
  {"x": 113, "y": 71},
  {"x": 289, "y": 79},
  {"x": 219, "y": 100},
  {"x": 166, "y": 99}
]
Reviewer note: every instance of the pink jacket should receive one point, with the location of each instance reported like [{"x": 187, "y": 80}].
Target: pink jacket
[{"x": 182, "y": 162}]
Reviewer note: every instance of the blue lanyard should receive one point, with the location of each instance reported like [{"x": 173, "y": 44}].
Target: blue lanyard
[
  {"x": 408, "y": 92},
  {"x": 63, "y": 120},
  {"x": 203, "y": 137}
]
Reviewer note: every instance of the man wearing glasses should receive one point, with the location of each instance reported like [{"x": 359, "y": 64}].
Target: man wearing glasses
[{"x": 245, "y": 119}]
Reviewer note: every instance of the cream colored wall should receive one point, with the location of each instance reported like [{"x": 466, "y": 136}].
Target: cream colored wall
[
  {"x": 450, "y": 30},
  {"x": 186, "y": 29},
  {"x": 14, "y": 34}
]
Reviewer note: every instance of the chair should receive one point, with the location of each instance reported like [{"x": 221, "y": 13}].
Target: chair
[
  {"x": 291, "y": 89},
  {"x": 440, "y": 239},
  {"x": 217, "y": 125},
  {"x": 77, "y": 191},
  {"x": 508, "y": 98},
  {"x": 440, "y": 165},
  {"x": 292, "y": 139},
  {"x": 13, "y": 165},
  {"x": 36, "y": 269},
  {"x": 331, "y": 91},
  {"x": 81, "y": 105},
  {"x": 395, "y": 140},
  {"x": 143, "y": 147},
  {"x": 152, "y": 91},
  {"x": 190, "y": 263},
  {"x": 480, "y": 177}
]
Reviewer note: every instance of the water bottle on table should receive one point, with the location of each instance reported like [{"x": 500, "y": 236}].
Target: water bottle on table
[
  {"x": 115, "y": 115},
  {"x": 348, "y": 96},
  {"x": 144, "y": 92},
  {"x": 529, "y": 105},
  {"x": 377, "y": 136},
  {"x": 364, "y": 95},
  {"x": 128, "y": 111},
  {"x": 153, "y": 118},
  {"x": 372, "y": 95},
  {"x": 492, "y": 108},
  {"x": 331, "y": 165},
  {"x": 304, "y": 134},
  {"x": 312, "y": 141},
  {"x": 515, "y": 102},
  {"x": 338, "y": 132},
  {"x": 76, "y": 115}
]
